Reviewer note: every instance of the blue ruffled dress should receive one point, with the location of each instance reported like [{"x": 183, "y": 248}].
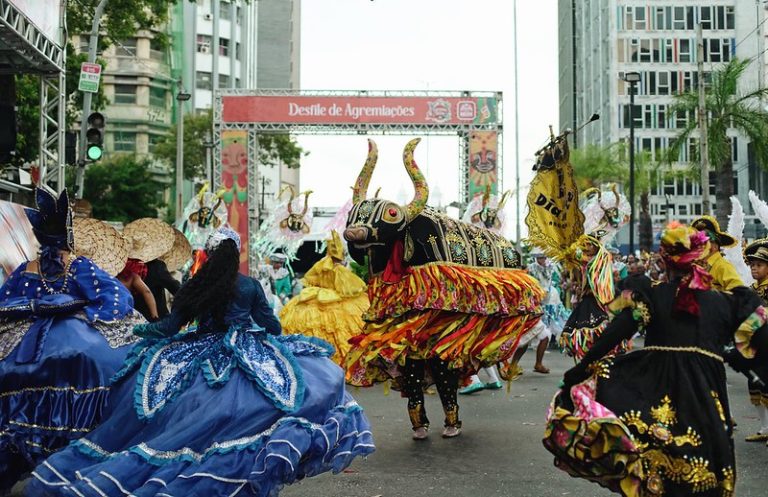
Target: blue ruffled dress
[
  {"x": 210, "y": 412},
  {"x": 60, "y": 344}
]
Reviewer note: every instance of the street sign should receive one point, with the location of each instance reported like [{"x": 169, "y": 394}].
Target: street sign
[{"x": 89, "y": 77}]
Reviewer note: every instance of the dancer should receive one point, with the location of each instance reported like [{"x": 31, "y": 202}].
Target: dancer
[
  {"x": 724, "y": 275},
  {"x": 756, "y": 255},
  {"x": 446, "y": 297},
  {"x": 64, "y": 327},
  {"x": 218, "y": 408},
  {"x": 655, "y": 421},
  {"x": 132, "y": 277},
  {"x": 331, "y": 304},
  {"x": 281, "y": 277}
]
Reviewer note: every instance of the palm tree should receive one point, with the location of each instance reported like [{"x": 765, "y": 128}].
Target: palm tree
[
  {"x": 727, "y": 110},
  {"x": 594, "y": 165}
]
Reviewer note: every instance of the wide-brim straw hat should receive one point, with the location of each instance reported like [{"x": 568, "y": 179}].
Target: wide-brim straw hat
[
  {"x": 179, "y": 254},
  {"x": 710, "y": 224},
  {"x": 101, "y": 243},
  {"x": 150, "y": 238}
]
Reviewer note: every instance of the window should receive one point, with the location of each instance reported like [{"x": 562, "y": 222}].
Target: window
[
  {"x": 224, "y": 47},
  {"x": 203, "y": 80},
  {"x": 734, "y": 150},
  {"x": 688, "y": 185},
  {"x": 690, "y": 17},
  {"x": 697, "y": 209},
  {"x": 156, "y": 50},
  {"x": 669, "y": 186},
  {"x": 685, "y": 51},
  {"x": 237, "y": 51},
  {"x": 157, "y": 96},
  {"x": 729, "y": 18},
  {"x": 662, "y": 83},
  {"x": 682, "y": 210},
  {"x": 153, "y": 141},
  {"x": 705, "y": 16},
  {"x": 640, "y": 18},
  {"x": 125, "y": 141},
  {"x": 225, "y": 11},
  {"x": 661, "y": 17},
  {"x": 224, "y": 80},
  {"x": 628, "y": 17},
  {"x": 678, "y": 18},
  {"x": 125, "y": 94},
  {"x": 638, "y": 114},
  {"x": 662, "y": 116},
  {"x": 645, "y": 50},
  {"x": 204, "y": 43},
  {"x": 126, "y": 47}
]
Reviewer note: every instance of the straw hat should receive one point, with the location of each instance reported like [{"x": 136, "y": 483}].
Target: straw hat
[
  {"x": 150, "y": 238},
  {"x": 101, "y": 243},
  {"x": 712, "y": 227},
  {"x": 179, "y": 254}
]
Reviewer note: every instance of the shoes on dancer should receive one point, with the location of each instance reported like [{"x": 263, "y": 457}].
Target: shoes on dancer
[
  {"x": 494, "y": 385},
  {"x": 420, "y": 433},
  {"x": 757, "y": 437},
  {"x": 472, "y": 388},
  {"x": 451, "y": 431}
]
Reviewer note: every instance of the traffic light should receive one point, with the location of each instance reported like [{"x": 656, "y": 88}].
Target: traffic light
[{"x": 94, "y": 137}]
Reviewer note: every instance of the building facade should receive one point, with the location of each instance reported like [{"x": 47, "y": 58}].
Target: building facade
[{"x": 601, "y": 40}]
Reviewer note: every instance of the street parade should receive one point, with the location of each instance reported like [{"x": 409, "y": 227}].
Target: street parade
[{"x": 213, "y": 285}]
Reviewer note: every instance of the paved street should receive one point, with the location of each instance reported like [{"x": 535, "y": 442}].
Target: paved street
[{"x": 499, "y": 452}]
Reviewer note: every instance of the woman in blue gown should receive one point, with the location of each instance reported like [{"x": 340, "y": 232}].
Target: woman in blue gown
[
  {"x": 64, "y": 329},
  {"x": 226, "y": 406}
]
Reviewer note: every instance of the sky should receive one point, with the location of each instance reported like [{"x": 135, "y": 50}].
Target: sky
[{"x": 427, "y": 45}]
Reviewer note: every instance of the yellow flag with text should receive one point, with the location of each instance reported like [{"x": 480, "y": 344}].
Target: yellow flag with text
[{"x": 554, "y": 219}]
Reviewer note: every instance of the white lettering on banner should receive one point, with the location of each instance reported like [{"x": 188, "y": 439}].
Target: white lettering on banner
[
  {"x": 295, "y": 109},
  {"x": 356, "y": 112}
]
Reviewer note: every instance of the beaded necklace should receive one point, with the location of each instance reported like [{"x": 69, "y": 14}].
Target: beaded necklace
[{"x": 64, "y": 275}]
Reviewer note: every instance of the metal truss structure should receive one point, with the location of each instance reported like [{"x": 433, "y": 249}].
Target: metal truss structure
[
  {"x": 461, "y": 130},
  {"x": 25, "y": 49}
]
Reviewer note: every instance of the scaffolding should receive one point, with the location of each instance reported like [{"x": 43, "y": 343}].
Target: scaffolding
[{"x": 26, "y": 49}]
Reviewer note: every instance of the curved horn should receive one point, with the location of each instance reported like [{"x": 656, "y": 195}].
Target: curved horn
[
  {"x": 615, "y": 194},
  {"x": 486, "y": 196},
  {"x": 503, "y": 199},
  {"x": 201, "y": 194},
  {"x": 419, "y": 183},
  {"x": 361, "y": 185},
  {"x": 283, "y": 189},
  {"x": 378, "y": 190},
  {"x": 306, "y": 202}
]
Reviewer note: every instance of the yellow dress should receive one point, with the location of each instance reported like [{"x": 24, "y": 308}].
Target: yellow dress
[{"x": 331, "y": 304}]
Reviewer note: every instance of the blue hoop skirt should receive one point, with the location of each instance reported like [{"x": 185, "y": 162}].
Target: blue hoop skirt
[
  {"x": 217, "y": 414},
  {"x": 56, "y": 361}
]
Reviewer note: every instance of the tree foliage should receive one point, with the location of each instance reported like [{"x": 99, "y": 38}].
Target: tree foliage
[
  {"x": 273, "y": 148},
  {"x": 122, "y": 189},
  {"x": 727, "y": 108}
]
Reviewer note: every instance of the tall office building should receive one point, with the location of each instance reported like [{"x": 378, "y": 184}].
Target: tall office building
[
  {"x": 238, "y": 44},
  {"x": 601, "y": 40}
]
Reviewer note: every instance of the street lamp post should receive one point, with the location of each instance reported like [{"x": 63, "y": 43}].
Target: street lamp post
[
  {"x": 181, "y": 97},
  {"x": 632, "y": 78}
]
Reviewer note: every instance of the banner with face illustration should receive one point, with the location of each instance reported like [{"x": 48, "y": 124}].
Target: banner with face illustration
[
  {"x": 234, "y": 180},
  {"x": 483, "y": 162}
]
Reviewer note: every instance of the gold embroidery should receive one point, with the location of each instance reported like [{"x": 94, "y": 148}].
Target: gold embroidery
[
  {"x": 718, "y": 405},
  {"x": 601, "y": 368},
  {"x": 54, "y": 389},
  {"x": 695, "y": 350},
  {"x": 729, "y": 482},
  {"x": 49, "y": 428},
  {"x": 665, "y": 413}
]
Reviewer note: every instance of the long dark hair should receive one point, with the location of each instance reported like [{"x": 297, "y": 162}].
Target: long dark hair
[{"x": 208, "y": 293}]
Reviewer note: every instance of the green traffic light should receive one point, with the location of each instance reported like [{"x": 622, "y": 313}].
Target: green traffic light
[{"x": 94, "y": 152}]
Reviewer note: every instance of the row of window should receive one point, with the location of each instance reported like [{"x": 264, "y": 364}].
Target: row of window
[
  {"x": 127, "y": 48},
  {"x": 126, "y": 94},
  {"x": 204, "y": 80},
  {"x": 663, "y": 82},
  {"x": 125, "y": 141},
  {"x": 204, "y": 43},
  {"x": 648, "y": 18},
  {"x": 658, "y": 147},
  {"x": 674, "y": 50},
  {"x": 225, "y": 10}
]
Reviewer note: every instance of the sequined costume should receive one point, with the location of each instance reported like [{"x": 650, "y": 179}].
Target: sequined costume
[
  {"x": 216, "y": 412},
  {"x": 331, "y": 304},
  {"x": 555, "y": 313},
  {"x": 656, "y": 421},
  {"x": 63, "y": 334}
]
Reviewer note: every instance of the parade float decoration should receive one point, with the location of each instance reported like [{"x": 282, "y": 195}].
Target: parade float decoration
[{"x": 438, "y": 288}]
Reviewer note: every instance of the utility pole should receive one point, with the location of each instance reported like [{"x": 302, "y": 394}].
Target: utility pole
[
  {"x": 706, "y": 204},
  {"x": 92, "y": 47},
  {"x": 517, "y": 136}
]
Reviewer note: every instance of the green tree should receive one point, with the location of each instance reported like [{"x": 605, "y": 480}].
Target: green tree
[
  {"x": 594, "y": 165},
  {"x": 727, "y": 109},
  {"x": 273, "y": 148},
  {"x": 122, "y": 189}
]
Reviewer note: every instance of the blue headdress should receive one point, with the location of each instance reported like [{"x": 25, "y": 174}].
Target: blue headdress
[
  {"x": 219, "y": 236},
  {"x": 52, "y": 225}
]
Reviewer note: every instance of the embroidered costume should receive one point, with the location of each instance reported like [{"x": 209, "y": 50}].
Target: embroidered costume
[
  {"x": 656, "y": 421},
  {"x": 238, "y": 410},
  {"x": 331, "y": 304},
  {"x": 445, "y": 296},
  {"x": 64, "y": 329}
]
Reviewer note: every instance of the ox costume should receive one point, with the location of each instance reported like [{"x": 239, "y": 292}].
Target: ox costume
[
  {"x": 446, "y": 296},
  {"x": 216, "y": 412},
  {"x": 64, "y": 329},
  {"x": 656, "y": 421},
  {"x": 331, "y": 304}
]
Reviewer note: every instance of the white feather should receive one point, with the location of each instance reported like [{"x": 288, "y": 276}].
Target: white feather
[
  {"x": 760, "y": 207},
  {"x": 736, "y": 230}
]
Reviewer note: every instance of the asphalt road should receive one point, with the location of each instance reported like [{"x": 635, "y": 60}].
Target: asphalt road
[{"x": 499, "y": 452}]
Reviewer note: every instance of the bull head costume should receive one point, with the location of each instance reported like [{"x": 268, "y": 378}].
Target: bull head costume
[{"x": 441, "y": 290}]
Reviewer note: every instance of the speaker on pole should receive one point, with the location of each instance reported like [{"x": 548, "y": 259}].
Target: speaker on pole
[{"x": 8, "y": 119}]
